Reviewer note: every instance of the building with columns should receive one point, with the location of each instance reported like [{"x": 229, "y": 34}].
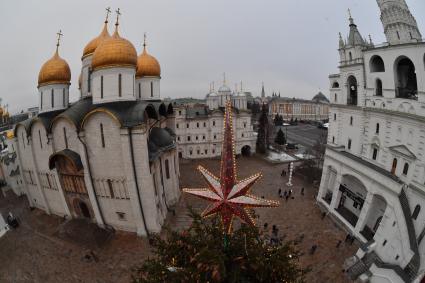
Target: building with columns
[
  {"x": 373, "y": 181},
  {"x": 109, "y": 157},
  {"x": 199, "y": 127},
  {"x": 316, "y": 109}
]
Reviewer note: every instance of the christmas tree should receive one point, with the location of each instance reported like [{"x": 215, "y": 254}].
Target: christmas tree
[
  {"x": 280, "y": 138},
  {"x": 263, "y": 131}
]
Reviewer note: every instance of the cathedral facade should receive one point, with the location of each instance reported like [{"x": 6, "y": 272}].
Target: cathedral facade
[
  {"x": 199, "y": 127},
  {"x": 373, "y": 181},
  {"x": 111, "y": 156}
]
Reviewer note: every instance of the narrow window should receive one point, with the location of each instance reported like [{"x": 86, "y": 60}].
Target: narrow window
[
  {"x": 394, "y": 166},
  {"x": 187, "y": 125},
  {"x": 398, "y": 35},
  {"x": 101, "y": 86},
  {"x": 334, "y": 116},
  {"x": 180, "y": 112},
  {"x": 196, "y": 137},
  {"x": 151, "y": 89},
  {"x": 375, "y": 153},
  {"x": 63, "y": 97},
  {"x": 203, "y": 137},
  {"x": 377, "y": 128},
  {"x": 416, "y": 212},
  {"x": 41, "y": 100},
  {"x": 405, "y": 168},
  {"x": 52, "y": 98},
  {"x": 351, "y": 121},
  {"x": 140, "y": 91},
  {"x": 89, "y": 80},
  {"x": 197, "y": 125},
  {"x": 111, "y": 188},
  {"x": 384, "y": 243},
  {"x": 65, "y": 138},
  {"x": 336, "y": 98},
  {"x": 177, "y": 125},
  {"x": 213, "y": 123},
  {"x": 167, "y": 169},
  {"x": 333, "y": 139},
  {"x": 198, "y": 151},
  {"x": 39, "y": 136},
  {"x": 102, "y": 137},
  {"x": 205, "y": 125},
  {"x": 206, "y": 151},
  {"x": 349, "y": 143},
  {"x": 188, "y": 138},
  {"x": 119, "y": 85}
]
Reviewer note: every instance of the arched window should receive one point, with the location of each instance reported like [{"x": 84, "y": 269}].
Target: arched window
[
  {"x": 377, "y": 128},
  {"x": 405, "y": 79},
  {"x": 376, "y": 64},
  {"x": 352, "y": 90},
  {"x": 394, "y": 166},
  {"x": 405, "y": 168},
  {"x": 335, "y": 85},
  {"x": 119, "y": 85},
  {"x": 416, "y": 212},
  {"x": 350, "y": 56},
  {"x": 378, "y": 87},
  {"x": 351, "y": 120},
  {"x": 336, "y": 98}
]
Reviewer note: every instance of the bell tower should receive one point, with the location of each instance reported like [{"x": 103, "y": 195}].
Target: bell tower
[{"x": 399, "y": 24}]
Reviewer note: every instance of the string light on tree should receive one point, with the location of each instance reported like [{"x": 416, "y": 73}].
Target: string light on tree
[{"x": 229, "y": 196}]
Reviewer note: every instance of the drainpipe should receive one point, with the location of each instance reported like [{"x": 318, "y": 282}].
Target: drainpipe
[
  {"x": 91, "y": 177},
  {"x": 133, "y": 164}
]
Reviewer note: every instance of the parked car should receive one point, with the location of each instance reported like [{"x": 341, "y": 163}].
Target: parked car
[{"x": 291, "y": 146}]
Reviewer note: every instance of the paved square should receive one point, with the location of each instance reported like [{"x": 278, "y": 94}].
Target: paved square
[{"x": 34, "y": 252}]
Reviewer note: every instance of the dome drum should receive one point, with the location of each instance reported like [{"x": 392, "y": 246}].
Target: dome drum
[{"x": 147, "y": 88}]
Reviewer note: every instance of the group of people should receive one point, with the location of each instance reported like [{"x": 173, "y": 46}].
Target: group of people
[
  {"x": 289, "y": 194},
  {"x": 273, "y": 239}
]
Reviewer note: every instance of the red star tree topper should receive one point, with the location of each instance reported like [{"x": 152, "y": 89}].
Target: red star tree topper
[{"x": 229, "y": 196}]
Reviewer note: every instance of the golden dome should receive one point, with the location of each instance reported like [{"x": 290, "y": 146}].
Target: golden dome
[
  {"x": 55, "y": 70},
  {"x": 95, "y": 42},
  {"x": 1, "y": 111},
  {"x": 114, "y": 51},
  {"x": 147, "y": 65}
]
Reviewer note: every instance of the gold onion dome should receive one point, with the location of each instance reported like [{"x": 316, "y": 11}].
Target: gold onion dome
[
  {"x": 54, "y": 71},
  {"x": 114, "y": 52},
  {"x": 147, "y": 65},
  {"x": 95, "y": 42}
]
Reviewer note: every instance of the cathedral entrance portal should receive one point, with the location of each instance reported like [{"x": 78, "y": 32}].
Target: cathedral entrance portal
[{"x": 71, "y": 176}]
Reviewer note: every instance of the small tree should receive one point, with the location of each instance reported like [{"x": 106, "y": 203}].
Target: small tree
[
  {"x": 280, "y": 138},
  {"x": 202, "y": 254},
  {"x": 263, "y": 131}
]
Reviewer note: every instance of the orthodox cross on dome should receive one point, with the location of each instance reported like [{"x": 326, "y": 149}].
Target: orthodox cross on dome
[
  {"x": 349, "y": 13},
  {"x": 59, "y": 34},
  {"x": 144, "y": 40},
  {"x": 241, "y": 86},
  {"x": 229, "y": 196},
  {"x": 118, "y": 16},
  {"x": 108, "y": 11},
  {"x": 224, "y": 78}
]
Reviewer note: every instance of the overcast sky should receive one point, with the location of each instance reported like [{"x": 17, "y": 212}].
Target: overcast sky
[{"x": 291, "y": 45}]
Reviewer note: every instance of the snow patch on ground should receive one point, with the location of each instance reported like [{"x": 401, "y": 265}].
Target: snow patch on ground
[
  {"x": 279, "y": 157},
  {"x": 304, "y": 156}
]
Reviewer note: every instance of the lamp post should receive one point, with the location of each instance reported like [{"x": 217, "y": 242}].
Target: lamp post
[{"x": 291, "y": 168}]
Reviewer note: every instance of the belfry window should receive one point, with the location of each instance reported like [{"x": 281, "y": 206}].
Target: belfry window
[
  {"x": 352, "y": 90},
  {"x": 52, "y": 98},
  {"x": 406, "y": 81},
  {"x": 102, "y": 137},
  {"x": 119, "y": 85}
]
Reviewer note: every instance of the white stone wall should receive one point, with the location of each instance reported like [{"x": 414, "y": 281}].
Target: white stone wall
[
  {"x": 60, "y": 97},
  {"x": 111, "y": 85},
  {"x": 148, "y": 88},
  {"x": 85, "y": 76}
]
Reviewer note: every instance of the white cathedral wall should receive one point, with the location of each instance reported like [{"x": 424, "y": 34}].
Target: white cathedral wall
[
  {"x": 42, "y": 151},
  {"x": 71, "y": 135},
  {"x": 85, "y": 71},
  {"x": 60, "y": 97},
  {"x": 145, "y": 90},
  {"x": 111, "y": 85},
  {"x": 107, "y": 163},
  {"x": 15, "y": 182},
  {"x": 27, "y": 166}
]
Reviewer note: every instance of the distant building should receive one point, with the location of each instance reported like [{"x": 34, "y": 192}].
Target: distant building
[
  {"x": 373, "y": 181},
  {"x": 316, "y": 109},
  {"x": 199, "y": 127}
]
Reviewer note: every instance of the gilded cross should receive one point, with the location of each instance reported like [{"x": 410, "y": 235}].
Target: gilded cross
[
  {"x": 108, "y": 11},
  {"x": 349, "y": 12},
  {"x": 118, "y": 15},
  {"x": 144, "y": 39},
  {"x": 59, "y": 37}
]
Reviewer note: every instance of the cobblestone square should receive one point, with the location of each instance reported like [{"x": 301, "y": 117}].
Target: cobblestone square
[{"x": 34, "y": 252}]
